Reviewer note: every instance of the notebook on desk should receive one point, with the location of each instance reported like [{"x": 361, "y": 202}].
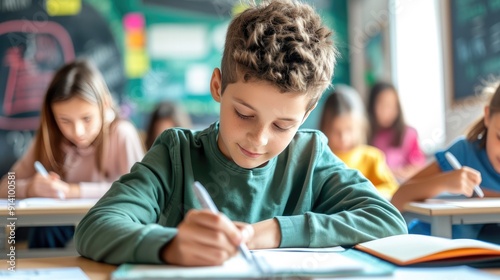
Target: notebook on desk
[
  {"x": 276, "y": 264},
  {"x": 427, "y": 251}
]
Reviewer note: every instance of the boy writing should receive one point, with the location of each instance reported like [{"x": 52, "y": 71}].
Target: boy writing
[{"x": 284, "y": 185}]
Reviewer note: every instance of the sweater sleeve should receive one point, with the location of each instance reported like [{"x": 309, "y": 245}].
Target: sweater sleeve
[
  {"x": 122, "y": 227},
  {"x": 23, "y": 171},
  {"x": 347, "y": 209},
  {"x": 125, "y": 149}
]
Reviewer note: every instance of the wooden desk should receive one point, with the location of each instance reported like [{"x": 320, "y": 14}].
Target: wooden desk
[
  {"x": 442, "y": 214},
  {"x": 102, "y": 271},
  {"x": 59, "y": 213}
]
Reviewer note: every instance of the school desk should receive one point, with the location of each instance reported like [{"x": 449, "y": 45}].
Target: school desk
[
  {"x": 42, "y": 213},
  {"x": 101, "y": 271},
  {"x": 441, "y": 214}
]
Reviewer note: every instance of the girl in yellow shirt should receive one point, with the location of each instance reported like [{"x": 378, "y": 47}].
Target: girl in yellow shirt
[{"x": 343, "y": 121}]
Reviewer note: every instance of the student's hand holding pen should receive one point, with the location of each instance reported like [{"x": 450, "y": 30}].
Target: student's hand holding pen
[
  {"x": 205, "y": 238},
  {"x": 47, "y": 186},
  {"x": 461, "y": 181}
]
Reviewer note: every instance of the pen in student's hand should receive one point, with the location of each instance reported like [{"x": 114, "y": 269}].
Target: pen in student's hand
[
  {"x": 207, "y": 203},
  {"x": 452, "y": 160},
  {"x": 40, "y": 169}
]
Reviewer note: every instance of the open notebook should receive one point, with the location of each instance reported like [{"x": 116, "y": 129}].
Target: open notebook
[
  {"x": 424, "y": 250},
  {"x": 275, "y": 263}
]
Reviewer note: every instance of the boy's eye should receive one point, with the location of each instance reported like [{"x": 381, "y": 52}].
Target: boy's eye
[
  {"x": 244, "y": 117},
  {"x": 280, "y": 128},
  {"x": 87, "y": 119}
]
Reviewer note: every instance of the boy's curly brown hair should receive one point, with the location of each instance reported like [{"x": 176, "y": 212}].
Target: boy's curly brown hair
[{"x": 281, "y": 42}]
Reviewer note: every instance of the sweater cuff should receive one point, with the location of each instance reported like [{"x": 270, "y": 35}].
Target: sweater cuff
[
  {"x": 294, "y": 231},
  {"x": 148, "y": 250}
]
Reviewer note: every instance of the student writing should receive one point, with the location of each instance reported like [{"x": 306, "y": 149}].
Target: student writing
[
  {"x": 80, "y": 141},
  {"x": 281, "y": 187},
  {"x": 344, "y": 123},
  {"x": 478, "y": 153}
]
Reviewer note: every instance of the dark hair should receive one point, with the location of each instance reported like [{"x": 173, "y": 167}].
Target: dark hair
[
  {"x": 399, "y": 125},
  {"x": 479, "y": 129},
  {"x": 343, "y": 100},
  {"x": 166, "y": 110},
  {"x": 282, "y": 42}
]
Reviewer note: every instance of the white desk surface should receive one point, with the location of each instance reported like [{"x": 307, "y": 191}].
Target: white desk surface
[
  {"x": 445, "y": 207},
  {"x": 102, "y": 271}
]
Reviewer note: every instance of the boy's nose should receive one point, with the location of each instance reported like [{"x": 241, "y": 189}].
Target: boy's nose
[{"x": 259, "y": 137}]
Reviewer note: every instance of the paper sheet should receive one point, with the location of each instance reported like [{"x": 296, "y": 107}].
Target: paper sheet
[
  {"x": 67, "y": 273},
  {"x": 314, "y": 262}
]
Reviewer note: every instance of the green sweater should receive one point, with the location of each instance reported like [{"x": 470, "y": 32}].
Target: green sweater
[{"x": 316, "y": 199}]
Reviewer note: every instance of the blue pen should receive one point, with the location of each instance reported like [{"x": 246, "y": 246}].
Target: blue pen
[
  {"x": 40, "y": 169},
  {"x": 207, "y": 203},
  {"x": 452, "y": 160}
]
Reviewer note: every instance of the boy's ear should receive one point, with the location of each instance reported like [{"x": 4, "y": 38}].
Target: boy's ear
[
  {"x": 308, "y": 113},
  {"x": 216, "y": 85}
]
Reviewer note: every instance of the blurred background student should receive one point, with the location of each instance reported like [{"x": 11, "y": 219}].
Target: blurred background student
[
  {"x": 80, "y": 141},
  {"x": 343, "y": 121},
  {"x": 479, "y": 154},
  {"x": 390, "y": 133},
  {"x": 166, "y": 115}
]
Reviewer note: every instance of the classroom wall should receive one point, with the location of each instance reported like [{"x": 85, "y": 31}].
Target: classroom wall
[
  {"x": 409, "y": 55},
  {"x": 419, "y": 64},
  {"x": 369, "y": 28},
  {"x": 458, "y": 115},
  {"x": 419, "y": 72}
]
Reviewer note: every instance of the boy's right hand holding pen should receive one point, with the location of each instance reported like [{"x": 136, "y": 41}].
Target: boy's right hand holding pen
[
  {"x": 205, "y": 238},
  {"x": 208, "y": 237},
  {"x": 45, "y": 184}
]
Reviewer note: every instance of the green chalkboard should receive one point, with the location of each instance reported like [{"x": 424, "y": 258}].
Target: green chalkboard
[{"x": 475, "y": 41}]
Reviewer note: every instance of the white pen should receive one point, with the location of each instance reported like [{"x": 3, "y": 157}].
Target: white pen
[
  {"x": 40, "y": 169},
  {"x": 207, "y": 203},
  {"x": 452, "y": 160}
]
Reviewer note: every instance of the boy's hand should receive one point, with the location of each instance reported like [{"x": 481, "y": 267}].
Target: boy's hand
[
  {"x": 41, "y": 186},
  {"x": 205, "y": 238},
  {"x": 463, "y": 181},
  {"x": 267, "y": 235}
]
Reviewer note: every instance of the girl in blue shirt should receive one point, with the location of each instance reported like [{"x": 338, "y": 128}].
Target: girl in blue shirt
[{"x": 479, "y": 154}]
